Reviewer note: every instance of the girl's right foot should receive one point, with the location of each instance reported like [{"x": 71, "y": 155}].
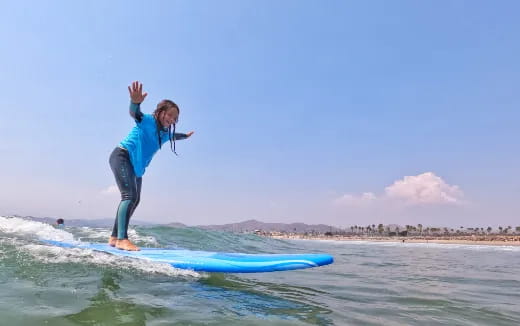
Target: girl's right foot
[
  {"x": 112, "y": 241},
  {"x": 125, "y": 244}
]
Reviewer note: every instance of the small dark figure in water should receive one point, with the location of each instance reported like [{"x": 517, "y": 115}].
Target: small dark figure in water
[{"x": 60, "y": 222}]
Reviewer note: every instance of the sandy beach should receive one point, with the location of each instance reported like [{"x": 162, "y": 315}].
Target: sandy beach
[{"x": 487, "y": 240}]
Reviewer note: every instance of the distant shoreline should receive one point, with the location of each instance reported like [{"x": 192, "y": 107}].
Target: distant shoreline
[{"x": 495, "y": 240}]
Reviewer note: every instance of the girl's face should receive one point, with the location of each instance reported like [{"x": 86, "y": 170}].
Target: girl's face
[{"x": 168, "y": 117}]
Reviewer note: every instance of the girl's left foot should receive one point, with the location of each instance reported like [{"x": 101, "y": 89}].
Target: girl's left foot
[
  {"x": 112, "y": 241},
  {"x": 125, "y": 244}
]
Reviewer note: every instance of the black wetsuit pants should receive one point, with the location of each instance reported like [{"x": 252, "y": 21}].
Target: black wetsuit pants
[{"x": 130, "y": 187}]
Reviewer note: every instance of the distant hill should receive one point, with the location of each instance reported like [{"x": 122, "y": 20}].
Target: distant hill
[
  {"x": 246, "y": 226},
  {"x": 99, "y": 223},
  {"x": 252, "y": 225},
  {"x": 175, "y": 225}
]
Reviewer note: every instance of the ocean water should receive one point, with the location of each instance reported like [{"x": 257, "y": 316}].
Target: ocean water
[{"x": 369, "y": 283}]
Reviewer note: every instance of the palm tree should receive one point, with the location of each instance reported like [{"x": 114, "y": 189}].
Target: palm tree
[
  {"x": 489, "y": 229},
  {"x": 500, "y": 229},
  {"x": 419, "y": 226}
]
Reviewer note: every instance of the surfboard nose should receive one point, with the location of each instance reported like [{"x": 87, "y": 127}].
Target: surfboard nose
[{"x": 324, "y": 259}]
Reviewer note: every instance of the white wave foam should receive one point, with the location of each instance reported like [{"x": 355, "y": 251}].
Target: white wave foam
[
  {"x": 26, "y": 228},
  {"x": 94, "y": 233},
  {"x": 21, "y": 228},
  {"x": 57, "y": 255},
  {"x": 148, "y": 239},
  {"x": 102, "y": 235},
  {"x": 29, "y": 229}
]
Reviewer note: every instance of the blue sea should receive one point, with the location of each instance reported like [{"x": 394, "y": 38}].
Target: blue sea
[{"x": 370, "y": 283}]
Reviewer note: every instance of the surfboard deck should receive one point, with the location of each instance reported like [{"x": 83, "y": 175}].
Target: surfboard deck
[{"x": 205, "y": 261}]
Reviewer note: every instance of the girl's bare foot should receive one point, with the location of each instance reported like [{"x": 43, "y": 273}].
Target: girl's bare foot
[
  {"x": 125, "y": 244},
  {"x": 112, "y": 241}
]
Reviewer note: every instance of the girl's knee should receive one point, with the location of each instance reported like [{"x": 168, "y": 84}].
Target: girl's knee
[{"x": 131, "y": 197}]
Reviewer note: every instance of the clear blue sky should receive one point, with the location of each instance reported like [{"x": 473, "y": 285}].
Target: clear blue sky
[{"x": 298, "y": 107}]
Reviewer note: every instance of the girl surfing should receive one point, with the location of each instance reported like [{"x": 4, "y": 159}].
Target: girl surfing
[{"x": 130, "y": 158}]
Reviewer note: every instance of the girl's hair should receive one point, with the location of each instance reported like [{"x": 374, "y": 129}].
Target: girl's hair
[{"x": 164, "y": 106}]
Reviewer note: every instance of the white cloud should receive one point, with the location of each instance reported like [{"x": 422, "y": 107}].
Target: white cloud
[
  {"x": 111, "y": 190},
  {"x": 356, "y": 200},
  {"x": 422, "y": 189},
  {"x": 426, "y": 188}
]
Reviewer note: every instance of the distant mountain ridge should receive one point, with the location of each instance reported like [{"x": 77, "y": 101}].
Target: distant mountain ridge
[
  {"x": 176, "y": 225},
  {"x": 245, "y": 226},
  {"x": 99, "y": 223},
  {"x": 251, "y": 225}
]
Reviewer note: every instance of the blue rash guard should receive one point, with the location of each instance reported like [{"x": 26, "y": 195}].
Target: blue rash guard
[{"x": 142, "y": 143}]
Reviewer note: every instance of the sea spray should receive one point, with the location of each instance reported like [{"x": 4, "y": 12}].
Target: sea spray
[
  {"x": 19, "y": 227},
  {"x": 20, "y": 234}
]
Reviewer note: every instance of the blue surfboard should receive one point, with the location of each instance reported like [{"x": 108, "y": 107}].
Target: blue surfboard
[{"x": 205, "y": 261}]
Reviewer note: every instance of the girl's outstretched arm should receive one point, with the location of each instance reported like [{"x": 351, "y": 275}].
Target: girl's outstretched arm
[
  {"x": 181, "y": 136},
  {"x": 136, "y": 98},
  {"x": 135, "y": 111}
]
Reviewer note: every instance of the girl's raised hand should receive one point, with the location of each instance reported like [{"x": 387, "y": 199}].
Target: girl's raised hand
[
  {"x": 189, "y": 134},
  {"x": 136, "y": 92}
]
